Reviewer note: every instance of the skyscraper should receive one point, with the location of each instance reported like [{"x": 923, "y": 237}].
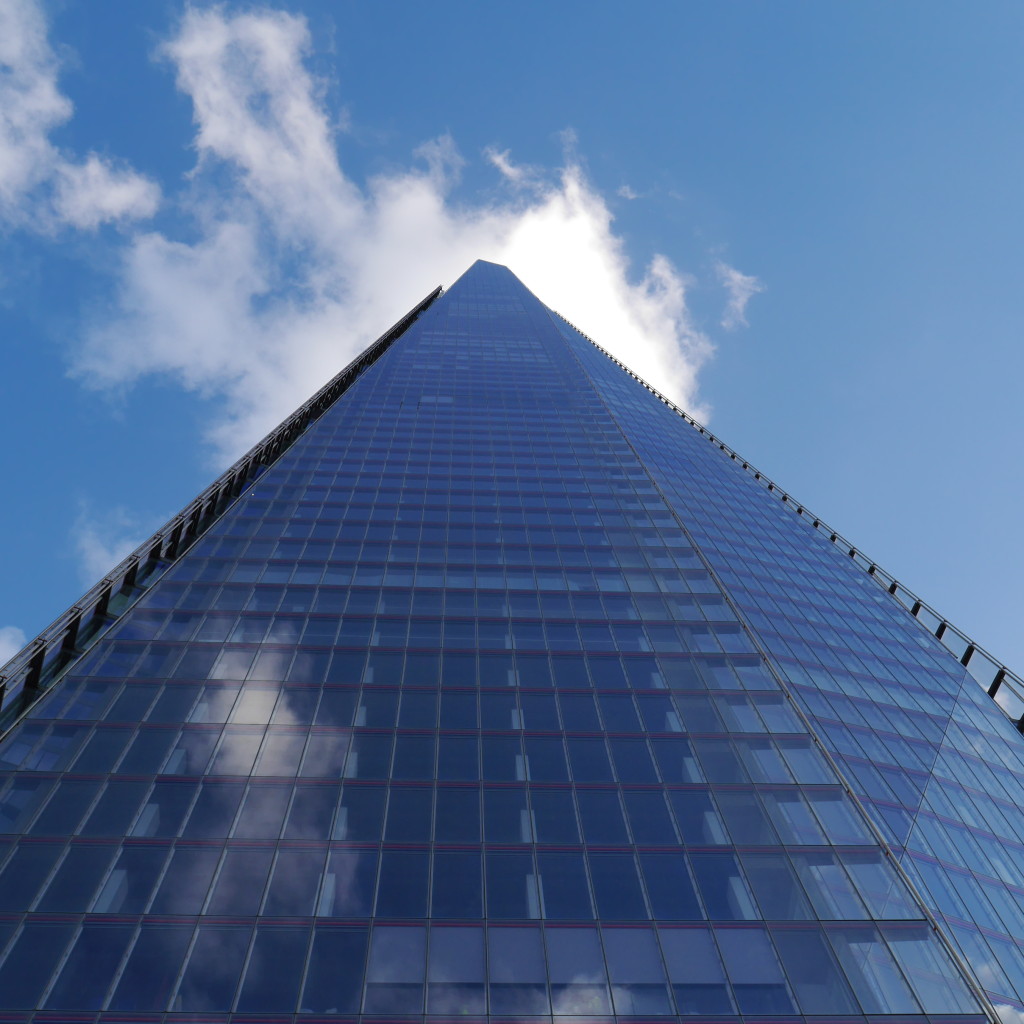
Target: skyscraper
[{"x": 490, "y": 685}]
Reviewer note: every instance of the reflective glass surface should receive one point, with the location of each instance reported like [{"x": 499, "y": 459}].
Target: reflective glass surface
[{"x": 504, "y": 694}]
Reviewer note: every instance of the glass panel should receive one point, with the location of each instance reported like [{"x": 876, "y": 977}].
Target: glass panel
[
  {"x": 275, "y": 969},
  {"x": 152, "y": 968},
  {"x": 565, "y": 895},
  {"x": 517, "y": 976},
  {"x": 394, "y": 974},
  {"x": 577, "y": 972},
  {"x": 815, "y": 976},
  {"x": 876, "y": 980},
  {"x": 89, "y": 969},
  {"x": 695, "y": 971},
  {"x": 928, "y": 968},
  {"x": 758, "y": 984},
  {"x": 26, "y": 969},
  {"x": 637, "y": 976},
  {"x": 455, "y": 973},
  {"x": 214, "y": 966},
  {"x": 334, "y": 978}
]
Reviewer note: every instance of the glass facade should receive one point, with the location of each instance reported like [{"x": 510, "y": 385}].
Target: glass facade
[{"x": 502, "y": 693}]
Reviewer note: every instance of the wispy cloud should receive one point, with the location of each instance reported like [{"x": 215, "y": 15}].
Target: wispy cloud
[
  {"x": 102, "y": 539},
  {"x": 12, "y": 640},
  {"x": 291, "y": 267},
  {"x": 740, "y": 289},
  {"x": 627, "y": 192},
  {"x": 515, "y": 174},
  {"x": 41, "y": 186}
]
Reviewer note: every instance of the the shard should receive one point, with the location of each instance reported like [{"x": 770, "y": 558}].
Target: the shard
[{"x": 490, "y": 685}]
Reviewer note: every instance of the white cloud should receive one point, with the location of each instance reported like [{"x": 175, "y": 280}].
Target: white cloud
[
  {"x": 514, "y": 174},
  {"x": 740, "y": 289},
  {"x": 87, "y": 194},
  {"x": 293, "y": 267},
  {"x": 103, "y": 540},
  {"x": 627, "y": 192},
  {"x": 40, "y": 186},
  {"x": 12, "y": 640}
]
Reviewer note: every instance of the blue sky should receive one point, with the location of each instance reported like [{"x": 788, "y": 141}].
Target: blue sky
[{"x": 800, "y": 220}]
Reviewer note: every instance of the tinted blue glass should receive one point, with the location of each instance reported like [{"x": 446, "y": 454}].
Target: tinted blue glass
[{"x": 462, "y": 696}]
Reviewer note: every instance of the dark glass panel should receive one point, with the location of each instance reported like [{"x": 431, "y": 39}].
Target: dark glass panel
[
  {"x": 395, "y": 970},
  {"x": 152, "y": 968},
  {"x": 240, "y": 882},
  {"x": 336, "y": 708},
  {"x": 814, "y": 974},
  {"x": 312, "y": 812},
  {"x": 418, "y": 710},
  {"x": 369, "y": 756},
  {"x": 263, "y": 811},
  {"x": 539, "y": 711},
  {"x": 511, "y": 886},
  {"x": 458, "y": 711},
  {"x": 518, "y": 979},
  {"x": 565, "y": 895},
  {"x": 506, "y": 815},
  {"x": 649, "y": 819},
  {"x": 165, "y": 809},
  {"x": 74, "y": 883},
  {"x": 334, "y": 978},
  {"x": 89, "y": 970},
  {"x": 457, "y": 818},
  {"x": 348, "y": 885},
  {"x": 775, "y": 886},
  {"x": 103, "y": 748},
  {"x": 503, "y": 759},
  {"x": 457, "y": 886},
  {"x": 577, "y": 971},
  {"x": 695, "y": 971},
  {"x": 458, "y": 758},
  {"x": 214, "y": 811},
  {"x": 20, "y": 801},
  {"x": 545, "y": 758},
  {"x": 129, "y": 885},
  {"x": 579, "y": 712},
  {"x": 361, "y": 813},
  {"x": 455, "y": 971},
  {"x": 24, "y": 873},
  {"x": 669, "y": 887},
  {"x": 410, "y": 813},
  {"x": 272, "y": 978},
  {"x": 184, "y": 886},
  {"x": 402, "y": 890},
  {"x": 26, "y": 969},
  {"x": 554, "y": 816},
  {"x": 588, "y": 757},
  {"x": 616, "y": 887},
  {"x": 746, "y": 819},
  {"x": 758, "y": 984},
  {"x": 147, "y": 751},
  {"x": 722, "y": 887},
  {"x": 211, "y": 976},
  {"x": 294, "y": 884},
  {"x": 639, "y": 985},
  {"x": 414, "y": 757},
  {"x": 601, "y": 816}
]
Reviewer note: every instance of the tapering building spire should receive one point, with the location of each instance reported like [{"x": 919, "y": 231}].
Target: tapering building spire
[{"x": 488, "y": 687}]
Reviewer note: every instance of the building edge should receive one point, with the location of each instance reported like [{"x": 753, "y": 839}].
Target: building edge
[
  {"x": 795, "y": 705},
  {"x": 1001, "y": 683},
  {"x": 43, "y": 660}
]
